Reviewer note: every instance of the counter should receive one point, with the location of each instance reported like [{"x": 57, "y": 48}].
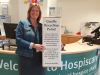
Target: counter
[
  {"x": 77, "y": 59},
  {"x": 79, "y": 47}
]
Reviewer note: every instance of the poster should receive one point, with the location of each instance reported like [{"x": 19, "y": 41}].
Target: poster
[
  {"x": 52, "y": 41},
  {"x": 4, "y": 9}
]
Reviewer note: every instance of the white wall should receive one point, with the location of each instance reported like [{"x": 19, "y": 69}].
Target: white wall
[
  {"x": 22, "y": 9},
  {"x": 17, "y": 9},
  {"x": 13, "y": 10},
  {"x": 77, "y": 12},
  {"x": 0, "y": 9},
  {"x": 74, "y": 13}
]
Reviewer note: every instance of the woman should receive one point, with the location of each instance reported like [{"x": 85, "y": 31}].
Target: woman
[{"x": 29, "y": 43}]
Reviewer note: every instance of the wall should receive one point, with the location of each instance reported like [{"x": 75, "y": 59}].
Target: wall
[
  {"x": 17, "y": 10},
  {"x": 76, "y": 12},
  {"x": 13, "y": 10},
  {"x": 0, "y": 10},
  {"x": 22, "y": 9}
]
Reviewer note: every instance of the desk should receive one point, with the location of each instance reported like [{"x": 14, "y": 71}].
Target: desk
[{"x": 75, "y": 61}]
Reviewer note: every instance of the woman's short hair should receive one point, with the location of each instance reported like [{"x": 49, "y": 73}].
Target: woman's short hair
[{"x": 29, "y": 10}]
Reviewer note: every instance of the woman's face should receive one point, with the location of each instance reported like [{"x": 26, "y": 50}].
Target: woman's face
[{"x": 34, "y": 14}]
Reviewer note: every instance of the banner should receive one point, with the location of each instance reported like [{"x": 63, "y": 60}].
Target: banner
[
  {"x": 51, "y": 41},
  {"x": 86, "y": 63},
  {"x": 8, "y": 64}
]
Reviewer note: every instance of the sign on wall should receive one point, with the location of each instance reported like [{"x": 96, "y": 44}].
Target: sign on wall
[
  {"x": 51, "y": 41},
  {"x": 4, "y": 9}
]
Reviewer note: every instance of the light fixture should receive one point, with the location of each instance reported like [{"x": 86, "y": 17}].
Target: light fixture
[{"x": 4, "y": 1}]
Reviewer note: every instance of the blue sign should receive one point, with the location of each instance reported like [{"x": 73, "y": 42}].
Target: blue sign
[
  {"x": 76, "y": 64},
  {"x": 85, "y": 63}
]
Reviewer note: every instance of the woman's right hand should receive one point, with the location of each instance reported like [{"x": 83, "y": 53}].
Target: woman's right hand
[{"x": 39, "y": 47}]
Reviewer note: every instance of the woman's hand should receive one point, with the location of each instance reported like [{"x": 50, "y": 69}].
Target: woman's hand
[{"x": 39, "y": 47}]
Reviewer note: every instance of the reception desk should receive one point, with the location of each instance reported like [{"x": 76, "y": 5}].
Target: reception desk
[{"x": 77, "y": 59}]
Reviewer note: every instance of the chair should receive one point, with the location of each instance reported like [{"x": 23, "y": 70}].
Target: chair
[{"x": 10, "y": 29}]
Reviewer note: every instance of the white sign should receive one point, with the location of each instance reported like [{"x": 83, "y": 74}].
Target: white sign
[{"x": 52, "y": 42}]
